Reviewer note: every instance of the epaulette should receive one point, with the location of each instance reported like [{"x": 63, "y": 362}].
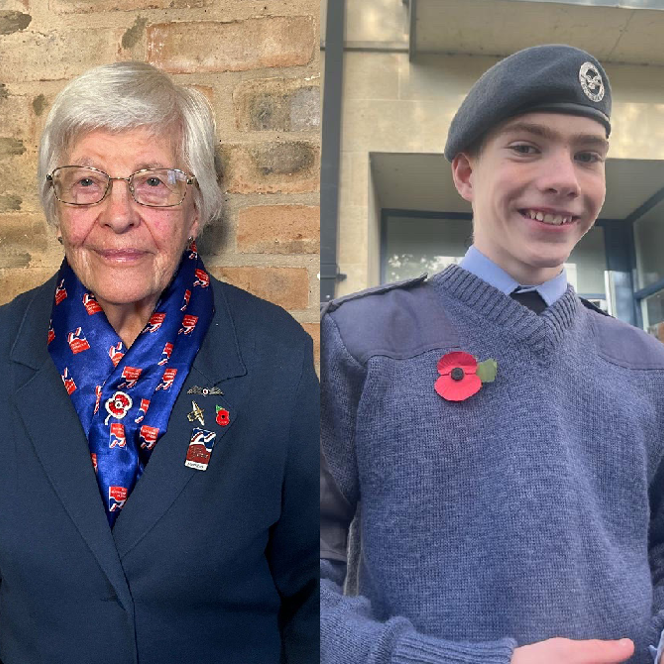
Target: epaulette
[
  {"x": 332, "y": 305},
  {"x": 593, "y": 307}
]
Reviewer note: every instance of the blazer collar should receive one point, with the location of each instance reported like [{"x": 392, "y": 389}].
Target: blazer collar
[
  {"x": 58, "y": 439},
  {"x": 216, "y": 363},
  {"x": 165, "y": 477},
  {"x": 67, "y": 463},
  {"x": 30, "y": 347},
  {"x": 219, "y": 362}
]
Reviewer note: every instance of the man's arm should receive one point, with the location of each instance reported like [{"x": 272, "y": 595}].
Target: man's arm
[
  {"x": 656, "y": 559},
  {"x": 350, "y": 633}
]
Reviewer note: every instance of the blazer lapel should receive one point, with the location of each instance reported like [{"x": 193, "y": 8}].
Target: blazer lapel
[
  {"x": 218, "y": 363},
  {"x": 59, "y": 441}
]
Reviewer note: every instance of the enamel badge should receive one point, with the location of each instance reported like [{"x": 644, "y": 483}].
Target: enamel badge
[
  {"x": 200, "y": 449},
  {"x": 118, "y": 405},
  {"x": 197, "y": 389},
  {"x": 196, "y": 413},
  {"x": 223, "y": 417}
]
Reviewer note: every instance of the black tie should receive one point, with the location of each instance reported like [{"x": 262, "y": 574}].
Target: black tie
[{"x": 531, "y": 299}]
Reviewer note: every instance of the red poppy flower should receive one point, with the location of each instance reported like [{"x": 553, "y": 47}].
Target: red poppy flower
[
  {"x": 118, "y": 405},
  {"x": 223, "y": 417},
  {"x": 459, "y": 379}
]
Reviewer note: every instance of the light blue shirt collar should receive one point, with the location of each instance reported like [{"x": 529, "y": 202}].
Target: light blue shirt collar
[{"x": 476, "y": 262}]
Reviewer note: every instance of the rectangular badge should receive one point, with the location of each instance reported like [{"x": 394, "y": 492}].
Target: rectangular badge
[{"x": 200, "y": 449}]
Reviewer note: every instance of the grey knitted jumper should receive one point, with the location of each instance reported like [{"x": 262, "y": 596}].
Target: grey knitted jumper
[{"x": 531, "y": 510}]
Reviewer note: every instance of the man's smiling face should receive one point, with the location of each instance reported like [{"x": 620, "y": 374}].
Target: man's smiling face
[{"x": 536, "y": 187}]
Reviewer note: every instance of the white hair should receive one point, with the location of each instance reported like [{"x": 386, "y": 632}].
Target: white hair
[{"x": 124, "y": 96}]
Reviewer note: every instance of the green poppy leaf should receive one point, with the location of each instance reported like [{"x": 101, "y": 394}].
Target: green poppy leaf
[{"x": 487, "y": 370}]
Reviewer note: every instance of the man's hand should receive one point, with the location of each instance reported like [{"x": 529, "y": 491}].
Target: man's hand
[{"x": 568, "y": 651}]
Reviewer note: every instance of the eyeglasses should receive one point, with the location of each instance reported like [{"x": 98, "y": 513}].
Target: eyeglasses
[{"x": 152, "y": 187}]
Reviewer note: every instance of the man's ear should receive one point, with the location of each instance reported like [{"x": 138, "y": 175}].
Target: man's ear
[{"x": 462, "y": 172}]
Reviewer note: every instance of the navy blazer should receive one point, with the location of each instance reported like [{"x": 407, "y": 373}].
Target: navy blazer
[{"x": 201, "y": 567}]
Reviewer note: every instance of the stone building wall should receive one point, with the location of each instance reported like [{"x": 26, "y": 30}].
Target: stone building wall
[
  {"x": 258, "y": 64},
  {"x": 394, "y": 104}
]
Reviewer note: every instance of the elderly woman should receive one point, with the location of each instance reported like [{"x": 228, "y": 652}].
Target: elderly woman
[{"x": 159, "y": 450}]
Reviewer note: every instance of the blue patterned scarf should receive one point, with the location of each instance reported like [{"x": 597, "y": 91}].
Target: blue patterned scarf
[{"x": 124, "y": 397}]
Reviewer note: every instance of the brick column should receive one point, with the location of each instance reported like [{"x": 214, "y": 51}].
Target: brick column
[{"x": 257, "y": 63}]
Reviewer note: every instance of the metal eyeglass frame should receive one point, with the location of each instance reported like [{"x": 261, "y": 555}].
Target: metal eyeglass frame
[{"x": 189, "y": 179}]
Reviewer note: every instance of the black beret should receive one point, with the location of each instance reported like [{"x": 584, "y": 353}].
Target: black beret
[{"x": 555, "y": 78}]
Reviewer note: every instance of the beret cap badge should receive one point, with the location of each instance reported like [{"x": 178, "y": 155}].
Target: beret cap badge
[{"x": 591, "y": 81}]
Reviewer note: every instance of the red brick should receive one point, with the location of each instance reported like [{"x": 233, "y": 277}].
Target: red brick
[
  {"x": 32, "y": 56},
  {"x": 271, "y": 167},
  {"x": 18, "y": 280},
  {"x": 277, "y": 104},
  {"x": 279, "y": 41},
  {"x": 286, "y": 286},
  {"x": 86, "y": 6},
  {"x": 279, "y": 229}
]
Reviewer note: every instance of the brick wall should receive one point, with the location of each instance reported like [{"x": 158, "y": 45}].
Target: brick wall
[{"x": 258, "y": 64}]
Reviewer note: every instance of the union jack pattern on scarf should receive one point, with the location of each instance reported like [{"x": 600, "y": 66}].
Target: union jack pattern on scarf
[
  {"x": 91, "y": 304},
  {"x": 111, "y": 386},
  {"x": 116, "y": 353}
]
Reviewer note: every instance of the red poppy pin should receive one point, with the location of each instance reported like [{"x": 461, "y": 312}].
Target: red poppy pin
[
  {"x": 223, "y": 417},
  {"x": 461, "y": 375},
  {"x": 118, "y": 405}
]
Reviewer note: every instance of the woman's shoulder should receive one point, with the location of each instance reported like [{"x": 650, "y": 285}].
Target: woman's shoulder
[
  {"x": 12, "y": 313},
  {"x": 252, "y": 314},
  {"x": 25, "y": 317}
]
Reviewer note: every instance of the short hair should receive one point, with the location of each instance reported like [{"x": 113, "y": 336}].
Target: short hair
[
  {"x": 128, "y": 95},
  {"x": 475, "y": 149}
]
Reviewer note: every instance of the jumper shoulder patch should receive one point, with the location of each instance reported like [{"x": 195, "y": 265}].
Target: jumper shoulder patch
[
  {"x": 332, "y": 305},
  {"x": 398, "y": 321},
  {"x": 627, "y": 346}
]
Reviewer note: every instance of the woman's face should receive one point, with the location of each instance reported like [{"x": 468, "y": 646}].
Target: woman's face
[{"x": 125, "y": 253}]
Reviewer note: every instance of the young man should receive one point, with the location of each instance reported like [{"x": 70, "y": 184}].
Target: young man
[{"x": 503, "y": 437}]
